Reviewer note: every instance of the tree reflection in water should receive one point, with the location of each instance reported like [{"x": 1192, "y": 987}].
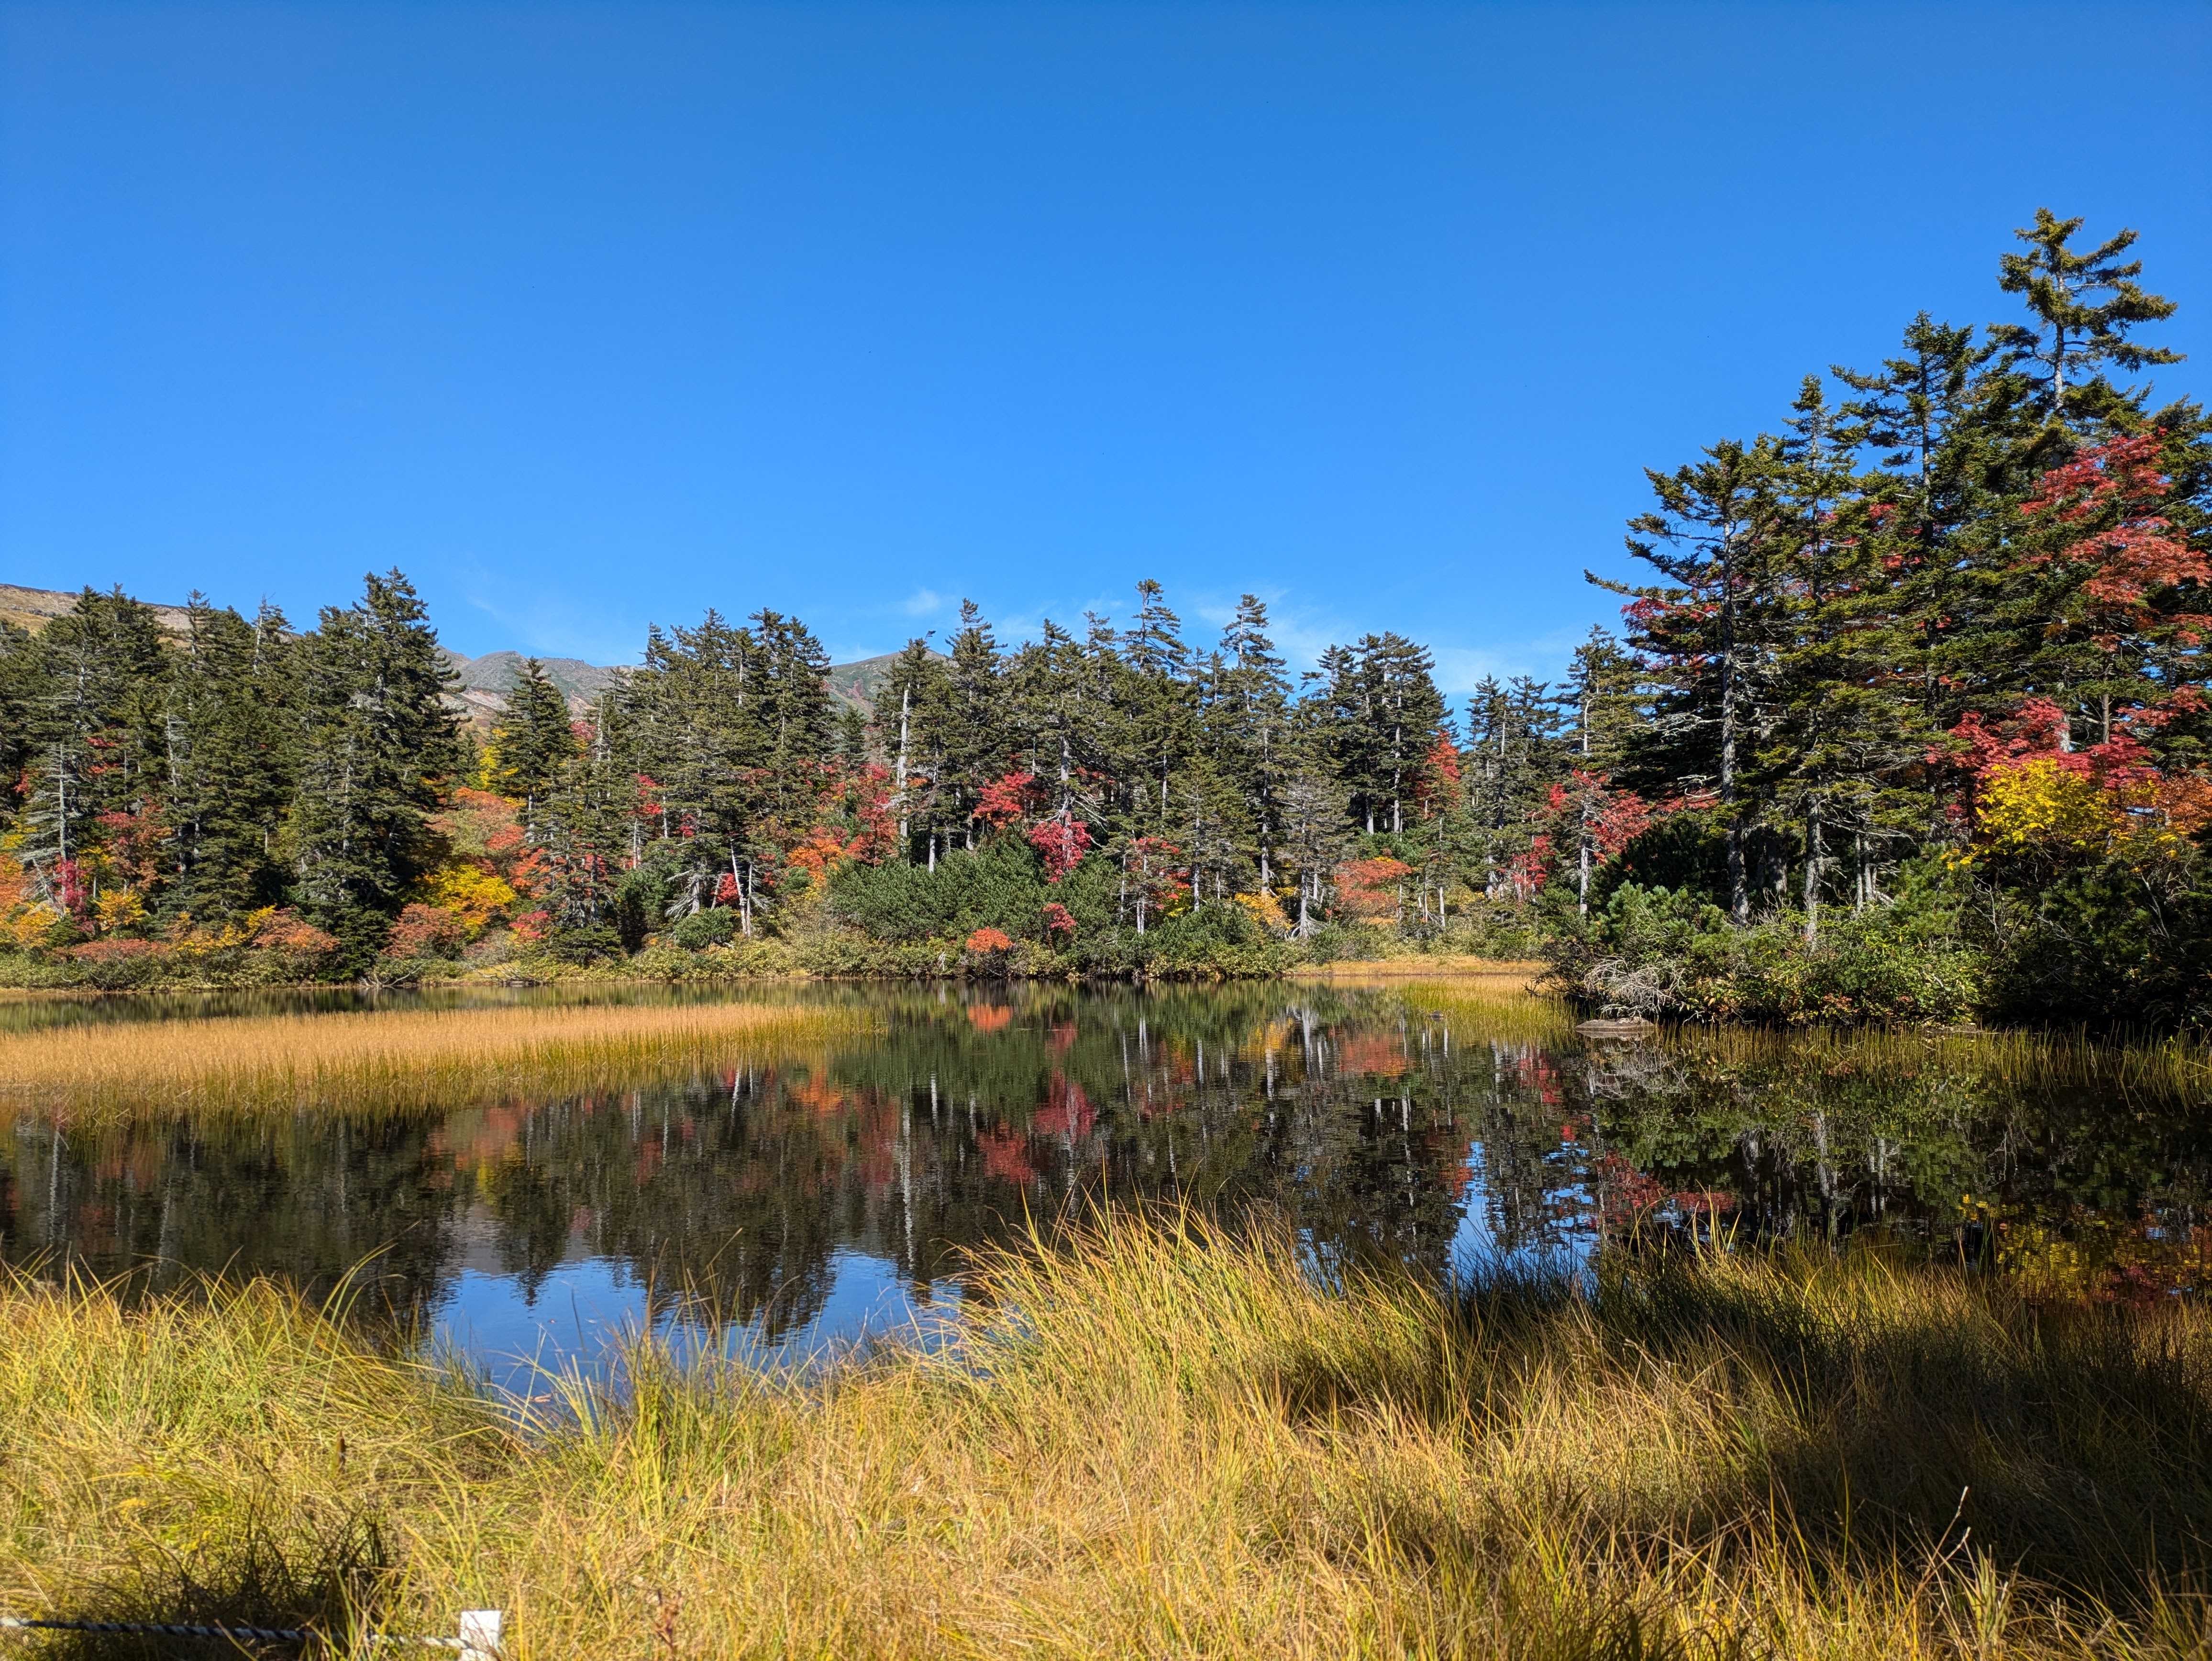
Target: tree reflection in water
[{"x": 1373, "y": 1125}]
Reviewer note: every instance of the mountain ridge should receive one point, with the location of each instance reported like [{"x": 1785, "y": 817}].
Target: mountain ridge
[{"x": 484, "y": 680}]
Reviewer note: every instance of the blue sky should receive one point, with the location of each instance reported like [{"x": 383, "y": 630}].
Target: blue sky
[{"x": 587, "y": 316}]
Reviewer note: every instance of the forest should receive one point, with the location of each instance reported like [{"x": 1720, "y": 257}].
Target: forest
[{"x": 1904, "y": 720}]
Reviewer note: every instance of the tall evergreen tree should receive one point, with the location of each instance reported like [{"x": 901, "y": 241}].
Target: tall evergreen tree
[
  {"x": 2074, "y": 334},
  {"x": 379, "y": 742},
  {"x": 533, "y": 741}
]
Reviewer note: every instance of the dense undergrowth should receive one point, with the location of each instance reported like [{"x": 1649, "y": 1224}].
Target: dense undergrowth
[
  {"x": 2096, "y": 947},
  {"x": 976, "y": 915},
  {"x": 1152, "y": 1439}
]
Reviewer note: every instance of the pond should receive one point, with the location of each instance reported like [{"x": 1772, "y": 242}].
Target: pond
[{"x": 784, "y": 1202}]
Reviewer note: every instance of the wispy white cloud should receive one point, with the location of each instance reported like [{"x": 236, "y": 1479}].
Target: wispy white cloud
[
  {"x": 538, "y": 621},
  {"x": 921, "y": 603}
]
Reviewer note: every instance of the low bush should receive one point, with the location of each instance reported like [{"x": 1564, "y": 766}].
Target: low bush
[{"x": 1655, "y": 952}]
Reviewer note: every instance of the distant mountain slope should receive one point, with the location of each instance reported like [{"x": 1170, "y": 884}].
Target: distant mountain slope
[
  {"x": 35, "y": 608},
  {"x": 484, "y": 680}
]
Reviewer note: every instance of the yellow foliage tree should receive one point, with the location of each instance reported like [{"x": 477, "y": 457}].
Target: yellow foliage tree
[
  {"x": 2040, "y": 808},
  {"x": 469, "y": 891}
]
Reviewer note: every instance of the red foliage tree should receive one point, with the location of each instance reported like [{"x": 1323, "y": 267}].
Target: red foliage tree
[{"x": 1061, "y": 841}]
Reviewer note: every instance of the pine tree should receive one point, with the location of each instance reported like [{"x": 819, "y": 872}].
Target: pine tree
[
  {"x": 379, "y": 742},
  {"x": 1714, "y": 537},
  {"x": 2074, "y": 335},
  {"x": 534, "y": 741}
]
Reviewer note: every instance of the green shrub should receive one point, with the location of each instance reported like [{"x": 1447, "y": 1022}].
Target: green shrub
[
  {"x": 716, "y": 926},
  {"x": 1664, "y": 952},
  {"x": 2103, "y": 946}
]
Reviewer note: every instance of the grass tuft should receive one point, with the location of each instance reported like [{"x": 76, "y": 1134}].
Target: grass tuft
[{"x": 1154, "y": 1439}]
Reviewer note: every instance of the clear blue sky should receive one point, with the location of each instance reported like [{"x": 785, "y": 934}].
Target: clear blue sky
[{"x": 585, "y": 316}]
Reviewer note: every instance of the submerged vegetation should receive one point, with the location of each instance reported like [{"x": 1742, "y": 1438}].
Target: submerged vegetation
[{"x": 1151, "y": 1439}]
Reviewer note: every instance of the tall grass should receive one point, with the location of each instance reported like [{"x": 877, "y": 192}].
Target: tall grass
[
  {"x": 381, "y": 1060},
  {"x": 1152, "y": 1440},
  {"x": 1491, "y": 1005},
  {"x": 2116, "y": 1068}
]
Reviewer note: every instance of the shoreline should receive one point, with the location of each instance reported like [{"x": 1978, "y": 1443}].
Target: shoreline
[{"x": 1354, "y": 971}]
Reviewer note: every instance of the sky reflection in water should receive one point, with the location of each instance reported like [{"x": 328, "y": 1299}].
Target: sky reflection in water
[{"x": 781, "y": 1211}]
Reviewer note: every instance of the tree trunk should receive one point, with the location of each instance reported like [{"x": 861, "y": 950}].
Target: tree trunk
[
  {"x": 1813, "y": 851},
  {"x": 906, "y": 701}
]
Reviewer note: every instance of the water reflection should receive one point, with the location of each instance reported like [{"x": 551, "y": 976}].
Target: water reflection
[{"x": 802, "y": 1202}]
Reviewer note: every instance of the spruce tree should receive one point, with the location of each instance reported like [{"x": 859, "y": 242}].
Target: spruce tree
[
  {"x": 2075, "y": 335},
  {"x": 533, "y": 741},
  {"x": 379, "y": 743}
]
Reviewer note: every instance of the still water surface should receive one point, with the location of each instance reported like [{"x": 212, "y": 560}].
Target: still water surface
[{"x": 790, "y": 1207}]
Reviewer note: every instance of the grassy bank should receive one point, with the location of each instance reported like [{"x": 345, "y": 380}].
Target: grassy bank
[
  {"x": 386, "y": 1059},
  {"x": 1213, "y": 943},
  {"x": 1179, "y": 1447}
]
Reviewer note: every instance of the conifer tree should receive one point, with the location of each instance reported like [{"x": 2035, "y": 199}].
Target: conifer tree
[
  {"x": 1714, "y": 537},
  {"x": 230, "y": 735},
  {"x": 379, "y": 742},
  {"x": 975, "y": 738},
  {"x": 1250, "y": 729},
  {"x": 916, "y": 697},
  {"x": 2075, "y": 335},
  {"x": 1158, "y": 700},
  {"x": 533, "y": 741}
]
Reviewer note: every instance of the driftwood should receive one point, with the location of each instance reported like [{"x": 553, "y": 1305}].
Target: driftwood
[{"x": 1634, "y": 1027}]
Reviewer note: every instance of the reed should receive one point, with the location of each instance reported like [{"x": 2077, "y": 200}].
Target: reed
[
  {"x": 1151, "y": 1439},
  {"x": 1500, "y": 1006},
  {"x": 386, "y": 1060},
  {"x": 2168, "y": 1069}
]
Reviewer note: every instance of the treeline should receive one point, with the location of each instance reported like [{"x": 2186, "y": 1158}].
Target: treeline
[
  {"x": 1908, "y": 720},
  {"x": 239, "y": 784},
  {"x": 1941, "y": 639}
]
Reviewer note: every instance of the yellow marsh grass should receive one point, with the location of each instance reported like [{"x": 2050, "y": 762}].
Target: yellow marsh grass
[
  {"x": 2124, "y": 1068},
  {"x": 1179, "y": 1447},
  {"x": 382, "y": 1060},
  {"x": 1486, "y": 1006}
]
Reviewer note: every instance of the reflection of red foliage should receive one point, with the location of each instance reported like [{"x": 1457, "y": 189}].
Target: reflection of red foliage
[
  {"x": 1378, "y": 1053},
  {"x": 1068, "y": 1112},
  {"x": 1625, "y": 1193},
  {"x": 989, "y": 1017},
  {"x": 1006, "y": 1155},
  {"x": 1705, "y": 1201}
]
